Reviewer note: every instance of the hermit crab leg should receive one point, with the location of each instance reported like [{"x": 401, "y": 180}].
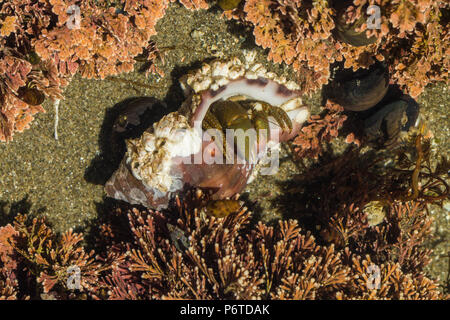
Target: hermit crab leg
[
  {"x": 279, "y": 115},
  {"x": 268, "y": 110},
  {"x": 211, "y": 122},
  {"x": 261, "y": 122}
]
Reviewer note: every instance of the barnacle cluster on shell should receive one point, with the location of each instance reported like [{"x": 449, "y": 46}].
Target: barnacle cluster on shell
[
  {"x": 208, "y": 84},
  {"x": 149, "y": 157}
]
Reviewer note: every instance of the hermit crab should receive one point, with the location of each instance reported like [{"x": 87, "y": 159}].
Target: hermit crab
[
  {"x": 200, "y": 146},
  {"x": 241, "y": 113}
]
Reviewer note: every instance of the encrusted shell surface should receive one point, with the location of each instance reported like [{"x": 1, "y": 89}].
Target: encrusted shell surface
[
  {"x": 384, "y": 127},
  {"x": 223, "y": 79}
]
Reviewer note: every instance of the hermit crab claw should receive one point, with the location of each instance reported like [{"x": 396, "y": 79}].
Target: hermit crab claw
[{"x": 198, "y": 145}]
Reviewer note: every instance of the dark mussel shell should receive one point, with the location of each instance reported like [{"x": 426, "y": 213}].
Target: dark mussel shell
[
  {"x": 383, "y": 127},
  {"x": 359, "y": 90},
  {"x": 346, "y": 32}
]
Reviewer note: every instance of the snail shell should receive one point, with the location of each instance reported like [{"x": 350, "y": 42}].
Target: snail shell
[
  {"x": 32, "y": 96},
  {"x": 384, "y": 127},
  {"x": 359, "y": 90},
  {"x": 168, "y": 157}
]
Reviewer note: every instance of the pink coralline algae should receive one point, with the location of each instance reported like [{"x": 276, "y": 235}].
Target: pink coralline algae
[
  {"x": 411, "y": 36},
  {"x": 44, "y": 43},
  {"x": 184, "y": 256}
]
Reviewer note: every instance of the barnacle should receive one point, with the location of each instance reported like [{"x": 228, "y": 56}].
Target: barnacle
[{"x": 376, "y": 211}]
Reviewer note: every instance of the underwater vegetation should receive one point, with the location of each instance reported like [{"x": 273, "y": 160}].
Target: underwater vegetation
[
  {"x": 40, "y": 53},
  {"x": 411, "y": 37},
  {"x": 347, "y": 216},
  {"x": 45, "y": 42},
  {"x": 187, "y": 234},
  {"x": 320, "y": 129},
  {"x": 182, "y": 255}
]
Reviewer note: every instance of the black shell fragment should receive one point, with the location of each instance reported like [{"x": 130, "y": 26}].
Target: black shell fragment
[
  {"x": 383, "y": 128},
  {"x": 32, "y": 96},
  {"x": 359, "y": 90}
]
